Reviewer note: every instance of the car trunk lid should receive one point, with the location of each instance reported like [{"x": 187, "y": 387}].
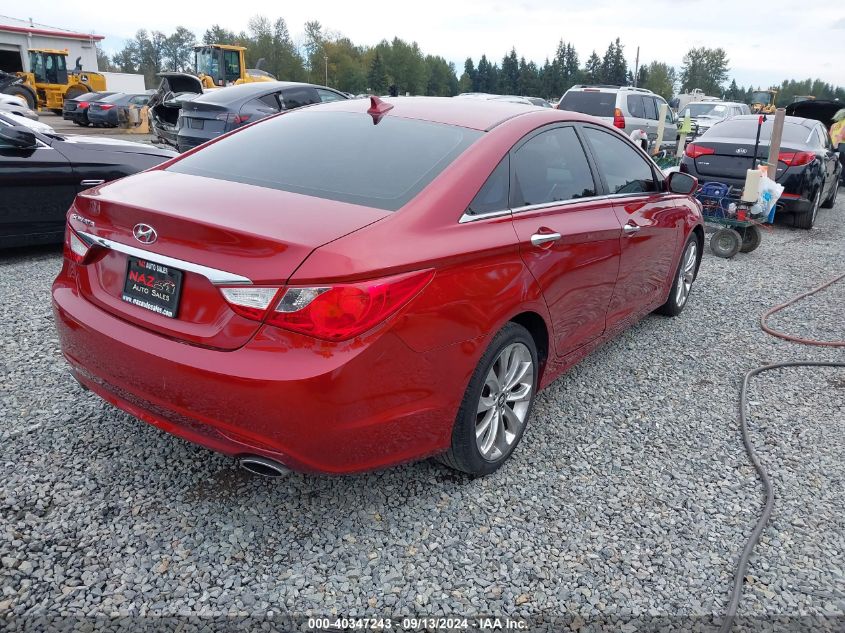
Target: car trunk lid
[
  {"x": 732, "y": 159},
  {"x": 209, "y": 117},
  {"x": 213, "y": 234}
]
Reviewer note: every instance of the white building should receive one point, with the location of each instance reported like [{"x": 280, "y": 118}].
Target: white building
[{"x": 18, "y": 36}]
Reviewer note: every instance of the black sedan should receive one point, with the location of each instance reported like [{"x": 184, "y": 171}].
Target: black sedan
[
  {"x": 808, "y": 166},
  {"x": 108, "y": 112},
  {"x": 218, "y": 111},
  {"x": 40, "y": 173},
  {"x": 76, "y": 109}
]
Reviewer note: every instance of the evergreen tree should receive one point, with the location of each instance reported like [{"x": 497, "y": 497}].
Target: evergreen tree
[
  {"x": 509, "y": 76},
  {"x": 593, "y": 69},
  {"x": 547, "y": 89},
  {"x": 469, "y": 71},
  {"x": 482, "y": 75},
  {"x": 377, "y": 79},
  {"x": 614, "y": 68}
]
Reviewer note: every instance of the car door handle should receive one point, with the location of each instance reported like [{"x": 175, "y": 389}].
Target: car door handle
[
  {"x": 91, "y": 183},
  {"x": 538, "y": 239},
  {"x": 630, "y": 229}
]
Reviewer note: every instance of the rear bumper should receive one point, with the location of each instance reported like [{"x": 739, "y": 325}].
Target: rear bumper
[
  {"x": 105, "y": 118},
  {"x": 185, "y": 142},
  {"x": 311, "y": 405}
]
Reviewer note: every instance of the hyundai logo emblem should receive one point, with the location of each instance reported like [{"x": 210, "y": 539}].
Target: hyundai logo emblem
[{"x": 144, "y": 233}]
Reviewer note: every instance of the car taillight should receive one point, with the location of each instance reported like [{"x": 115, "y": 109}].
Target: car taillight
[
  {"x": 105, "y": 106},
  {"x": 250, "y": 301},
  {"x": 233, "y": 120},
  {"x": 334, "y": 312},
  {"x": 796, "y": 159},
  {"x": 74, "y": 249},
  {"x": 618, "y": 119},
  {"x": 694, "y": 150},
  {"x": 82, "y": 105}
]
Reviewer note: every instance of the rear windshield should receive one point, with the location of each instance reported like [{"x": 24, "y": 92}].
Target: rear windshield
[
  {"x": 594, "y": 103},
  {"x": 699, "y": 109},
  {"x": 747, "y": 129},
  {"x": 335, "y": 155}
]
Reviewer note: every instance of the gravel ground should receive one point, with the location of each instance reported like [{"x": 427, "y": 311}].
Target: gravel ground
[{"x": 628, "y": 501}]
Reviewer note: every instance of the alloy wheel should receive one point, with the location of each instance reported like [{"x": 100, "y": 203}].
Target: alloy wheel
[
  {"x": 504, "y": 402},
  {"x": 686, "y": 274},
  {"x": 816, "y": 203}
]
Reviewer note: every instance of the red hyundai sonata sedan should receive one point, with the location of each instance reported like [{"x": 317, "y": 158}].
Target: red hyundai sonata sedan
[{"x": 357, "y": 284}]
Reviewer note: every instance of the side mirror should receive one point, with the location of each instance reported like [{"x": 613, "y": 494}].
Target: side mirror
[
  {"x": 682, "y": 183},
  {"x": 18, "y": 137}
]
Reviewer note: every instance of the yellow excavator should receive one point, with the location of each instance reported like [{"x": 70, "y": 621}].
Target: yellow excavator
[
  {"x": 49, "y": 82},
  {"x": 764, "y": 102}
]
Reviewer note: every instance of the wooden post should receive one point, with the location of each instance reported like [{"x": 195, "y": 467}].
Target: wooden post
[
  {"x": 774, "y": 144},
  {"x": 686, "y": 128},
  {"x": 661, "y": 128}
]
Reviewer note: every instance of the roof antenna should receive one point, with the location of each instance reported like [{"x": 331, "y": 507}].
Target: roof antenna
[{"x": 378, "y": 108}]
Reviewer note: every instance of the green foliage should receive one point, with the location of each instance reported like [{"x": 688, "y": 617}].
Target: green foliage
[
  {"x": 614, "y": 68},
  {"x": 377, "y": 79},
  {"x": 104, "y": 63},
  {"x": 356, "y": 69},
  {"x": 705, "y": 68},
  {"x": 509, "y": 74},
  {"x": 593, "y": 72},
  {"x": 660, "y": 78}
]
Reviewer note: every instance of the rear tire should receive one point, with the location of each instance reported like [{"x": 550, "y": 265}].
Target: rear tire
[
  {"x": 496, "y": 405},
  {"x": 831, "y": 199},
  {"x": 751, "y": 238},
  {"x": 725, "y": 243},
  {"x": 807, "y": 219}
]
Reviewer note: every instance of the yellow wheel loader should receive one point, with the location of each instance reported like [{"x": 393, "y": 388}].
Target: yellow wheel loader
[
  {"x": 48, "y": 82},
  {"x": 219, "y": 65},
  {"x": 763, "y": 102}
]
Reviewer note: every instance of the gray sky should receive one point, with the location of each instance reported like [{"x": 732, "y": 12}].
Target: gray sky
[{"x": 766, "y": 40}]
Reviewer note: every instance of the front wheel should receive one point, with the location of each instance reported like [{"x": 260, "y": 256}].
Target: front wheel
[
  {"x": 682, "y": 285},
  {"x": 22, "y": 93},
  {"x": 496, "y": 404}
]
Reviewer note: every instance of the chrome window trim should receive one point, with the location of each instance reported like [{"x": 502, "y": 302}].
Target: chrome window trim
[
  {"x": 548, "y": 205},
  {"x": 472, "y": 217},
  {"x": 215, "y": 276}
]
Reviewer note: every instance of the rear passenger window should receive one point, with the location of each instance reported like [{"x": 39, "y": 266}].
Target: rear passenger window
[
  {"x": 271, "y": 101},
  {"x": 551, "y": 167},
  {"x": 493, "y": 195},
  {"x": 328, "y": 95},
  {"x": 624, "y": 170},
  {"x": 298, "y": 97},
  {"x": 635, "y": 106},
  {"x": 650, "y": 108}
]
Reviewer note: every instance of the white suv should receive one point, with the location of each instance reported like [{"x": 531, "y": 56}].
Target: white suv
[{"x": 625, "y": 107}]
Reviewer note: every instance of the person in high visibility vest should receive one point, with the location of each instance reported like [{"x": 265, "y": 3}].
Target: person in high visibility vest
[{"x": 837, "y": 136}]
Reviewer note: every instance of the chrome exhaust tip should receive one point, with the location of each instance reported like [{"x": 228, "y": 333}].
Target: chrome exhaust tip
[{"x": 262, "y": 466}]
